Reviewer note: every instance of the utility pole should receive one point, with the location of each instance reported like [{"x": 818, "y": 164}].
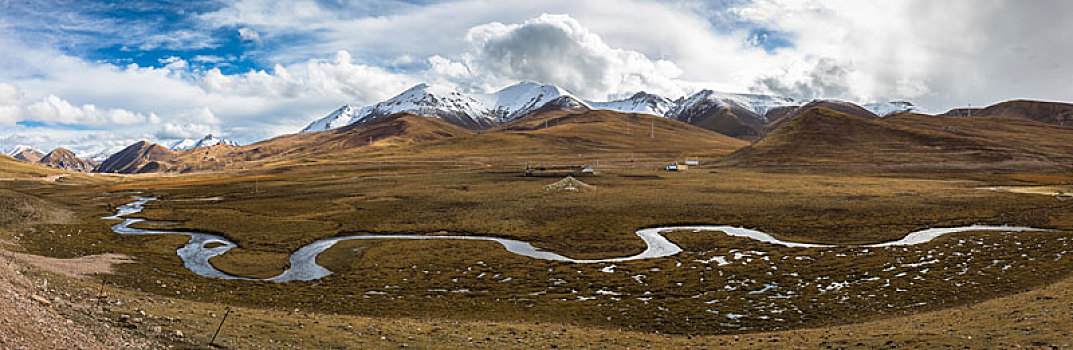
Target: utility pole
[{"x": 256, "y": 185}]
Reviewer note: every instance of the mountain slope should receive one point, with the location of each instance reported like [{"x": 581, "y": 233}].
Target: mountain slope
[
  {"x": 736, "y": 115},
  {"x": 570, "y": 132},
  {"x": 11, "y": 168},
  {"x": 883, "y": 109},
  {"x": 206, "y": 141},
  {"x": 26, "y": 153},
  {"x": 141, "y": 157},
  {"x": 824, "y": 137},
  {"x": 63, "y": 158},
  {"x": 1024, "y": 134},
  {"x": 779, "y": 115},
  {"x": 1056, "y": 113},
  {"x": 421, "y": 99}
]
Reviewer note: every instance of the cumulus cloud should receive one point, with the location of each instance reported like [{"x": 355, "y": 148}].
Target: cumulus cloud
[
  {"x": 557, "y": 49},
  {"x": 55, "y": 110},
  {"x": 828, "y": 78},
  {"x": 364, "y": 52},
  {"x": 184, "y": 131},
  {"x": 938, "y": 54}
]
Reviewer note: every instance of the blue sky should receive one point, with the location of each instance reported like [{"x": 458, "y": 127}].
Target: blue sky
[
  {"x": 97, "y": 75},
  {"x": 150, "y": 33}
]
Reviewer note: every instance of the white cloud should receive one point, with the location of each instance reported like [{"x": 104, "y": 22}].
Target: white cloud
[
  {"x": 184, "y": 131},
  {"x": 363, "y": 52},
  {"x": 57, "y": 110},
  {"x": 248, "y": 34},
  {"x": 207, "y": 59},
  {"x": 557, "y": 49},
  {"x": 940, "y": 54}
]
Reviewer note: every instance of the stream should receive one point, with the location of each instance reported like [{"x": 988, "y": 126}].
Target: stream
[{"x": 202, "y": 247}]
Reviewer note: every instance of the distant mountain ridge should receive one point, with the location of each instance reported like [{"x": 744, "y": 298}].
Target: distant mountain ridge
[
  {"x": 206, "y": 141},
  {"x": 25, "y": 153},
  {"x": 63, "y": 158},
  {"x": 1057, "y": 113},
  {"x": 737, "y": 115}
]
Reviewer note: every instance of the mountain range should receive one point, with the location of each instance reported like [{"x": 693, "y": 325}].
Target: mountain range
[
  {"x": 208, "y": 140},
  {"x": 60, "y": 158},
  {"x": 738, "y": 115},
  {"x": 751, "y": 129}
]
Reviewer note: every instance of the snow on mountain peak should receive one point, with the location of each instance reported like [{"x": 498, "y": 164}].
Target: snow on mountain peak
[
  {"x": 517, "y": 100},
  {"x": 16, "y": 149},
  {"x": 640, "y": 102},
  {"x": 428, "y": 100},
  {"x": 208, "y": 140},
  {"x": 704, "y": 99},
  {"x": 343, "y": 116},
  {"x": 884, "y": 109}
]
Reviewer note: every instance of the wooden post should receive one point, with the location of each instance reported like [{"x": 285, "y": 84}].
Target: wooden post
[
  {"x": 100, "y": 294},
  {"x": 213, "y": 341}
]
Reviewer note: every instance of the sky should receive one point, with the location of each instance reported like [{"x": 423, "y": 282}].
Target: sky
[{"x": 95, "y": 76}]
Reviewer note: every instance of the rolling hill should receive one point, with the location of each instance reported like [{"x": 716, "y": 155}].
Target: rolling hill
[
  {"x": 821, "y": 137},
  {"x": 11, "y": 168},
  {"x": 141, "y": 157},
  {"x": 63, "y": 158},
  {"x": 1056, "y": 113},
  {"x": 557, "y": 132}
]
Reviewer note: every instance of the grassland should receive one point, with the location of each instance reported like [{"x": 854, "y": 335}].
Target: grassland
[
  {"x": 478, "y": 294},
  {"x": 686, "y": 294}
]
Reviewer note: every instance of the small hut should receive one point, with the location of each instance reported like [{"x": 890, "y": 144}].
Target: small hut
[{"x": 677, "y": 167}]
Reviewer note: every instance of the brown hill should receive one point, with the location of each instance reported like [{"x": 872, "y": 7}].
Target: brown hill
[
  {"x": 1045, "y": 112},
  {"x": 29, "y": 155},
  {"x": 777, "y": 116},
  {"x": 11, "y": 168},
  {"x": 141, "y": 157},
  {"x": 823, "y": 137},
  {"x": 728, "y": 119},
  {"x": 407, "y": 138},
  {"x": 596, "y": 131},
  {"x": 394, "y": 131},
  {"x": 1027, "y": 135},
  {"x": 63, "y": 158}
]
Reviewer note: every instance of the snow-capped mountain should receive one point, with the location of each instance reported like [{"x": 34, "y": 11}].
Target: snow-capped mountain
[
  {"x": 208, "y": 140},
  {"x": 16, "y": 149},
  {"x": 341, "y": 117},
  {"x": 25, "y": 153},
  {"x": 739, "y": 115},
  {"x": 641, "y": 102},
  {"x": 706, "y": 99},
  {"x": 469, "y": 110},
  {"x": 517, "y": 100},
  {"x": 884, "y": 109}
]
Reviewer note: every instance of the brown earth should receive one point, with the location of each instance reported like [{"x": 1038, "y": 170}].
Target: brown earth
[{"x": 822, "y": 137}]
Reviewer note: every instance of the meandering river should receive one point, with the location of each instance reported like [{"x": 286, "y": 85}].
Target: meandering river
[{"x": 303, "y": 263}]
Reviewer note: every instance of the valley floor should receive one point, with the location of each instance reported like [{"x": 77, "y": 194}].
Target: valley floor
[{"x": 979, "y": 289}]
